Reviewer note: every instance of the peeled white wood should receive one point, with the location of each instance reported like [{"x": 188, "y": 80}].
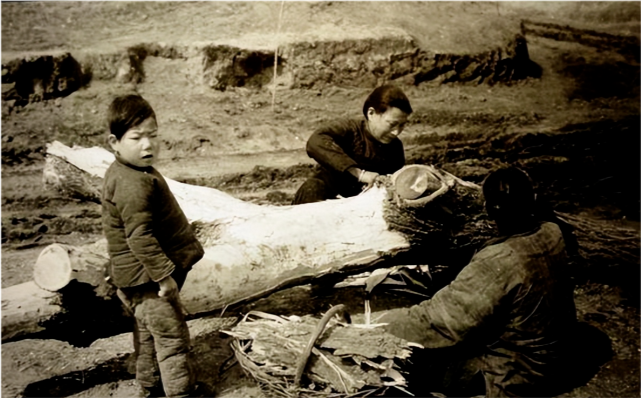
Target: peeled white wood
[
  {"x": 25, "y": 307},
  {"x": 251, "y": 250},
  {"x": 52, "y": 270}
]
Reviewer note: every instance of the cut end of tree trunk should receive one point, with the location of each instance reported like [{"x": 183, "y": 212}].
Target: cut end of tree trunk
[
  {"x": 415, "y": 180},
  {"x": 52, "y": 271}
]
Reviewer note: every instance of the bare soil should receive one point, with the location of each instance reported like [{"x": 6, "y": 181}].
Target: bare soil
[{"x": 575, "y": 129}]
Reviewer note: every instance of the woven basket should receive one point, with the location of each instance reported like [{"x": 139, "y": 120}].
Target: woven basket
[
  {"x": 284, "y": 386},
  {"x": 278, "y": 378}
]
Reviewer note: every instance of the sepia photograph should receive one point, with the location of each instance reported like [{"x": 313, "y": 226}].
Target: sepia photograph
[{"x": 321, "y": 199}]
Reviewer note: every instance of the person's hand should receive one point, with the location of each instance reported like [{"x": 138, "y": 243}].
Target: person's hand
[
  {"x": 168, "y": 288},
  {"x": 368, "y": 178}
]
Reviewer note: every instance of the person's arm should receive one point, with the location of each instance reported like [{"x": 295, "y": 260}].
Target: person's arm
[
  {"x": 134, "y": 201},
  {"x": 326, "y": 147},
  {"x": 363, "y": 176},
  {"x": 469, "y": 305}
]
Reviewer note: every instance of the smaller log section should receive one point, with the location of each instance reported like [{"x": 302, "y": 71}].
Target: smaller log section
[{"x": 58, "y": 264}]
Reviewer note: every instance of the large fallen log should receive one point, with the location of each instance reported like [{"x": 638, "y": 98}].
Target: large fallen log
[{"x": 253, "y": 250}]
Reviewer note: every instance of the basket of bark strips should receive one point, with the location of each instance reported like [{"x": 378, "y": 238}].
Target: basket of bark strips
[{"x": 292, "y": 356}]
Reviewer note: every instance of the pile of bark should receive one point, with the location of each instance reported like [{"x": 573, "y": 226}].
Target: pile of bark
[{"x": 347, "y": 360}]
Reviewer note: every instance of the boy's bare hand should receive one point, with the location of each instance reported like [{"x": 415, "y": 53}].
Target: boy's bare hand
[{"x": 168, "y": 288}]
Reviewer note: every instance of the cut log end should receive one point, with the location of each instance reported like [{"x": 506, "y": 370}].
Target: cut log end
[
  {"x": 413, "y": 181},
  {"x": 52, "y": 270}
]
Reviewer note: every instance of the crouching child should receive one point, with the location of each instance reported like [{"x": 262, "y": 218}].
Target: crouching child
[{"x": 152, "y": 247}]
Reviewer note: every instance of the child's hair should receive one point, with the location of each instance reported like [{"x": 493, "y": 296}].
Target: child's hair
[
  {"x": 385, "y": 97},
  {"x": 127, "y": 111}
]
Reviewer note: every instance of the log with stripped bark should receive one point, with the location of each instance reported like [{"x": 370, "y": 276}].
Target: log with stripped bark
[{"x": 253, "y": 250}]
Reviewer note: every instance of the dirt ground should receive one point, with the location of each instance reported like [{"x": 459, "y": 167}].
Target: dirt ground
[{"x": 575, "y": 129}]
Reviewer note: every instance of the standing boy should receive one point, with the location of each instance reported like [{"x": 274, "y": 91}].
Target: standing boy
[{"x": 151, "y": 246}]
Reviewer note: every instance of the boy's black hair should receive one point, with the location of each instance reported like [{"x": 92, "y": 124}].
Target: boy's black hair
[
  {"x": 387, "y": 96},
  {"x": 509, "y": 195},
  {"x": 127, "y": 111}
]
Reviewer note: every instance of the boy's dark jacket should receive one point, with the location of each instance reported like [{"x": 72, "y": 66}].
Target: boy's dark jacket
[{"x": 147, "y": 233}]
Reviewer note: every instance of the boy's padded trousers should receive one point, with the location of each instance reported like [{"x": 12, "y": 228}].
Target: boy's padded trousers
[{"x": 163, "y": 340}]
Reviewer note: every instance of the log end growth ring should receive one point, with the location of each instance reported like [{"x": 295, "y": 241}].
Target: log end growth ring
[
  {"x": 52, "y": 270},
  {"x": 413, "y": 181}
]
